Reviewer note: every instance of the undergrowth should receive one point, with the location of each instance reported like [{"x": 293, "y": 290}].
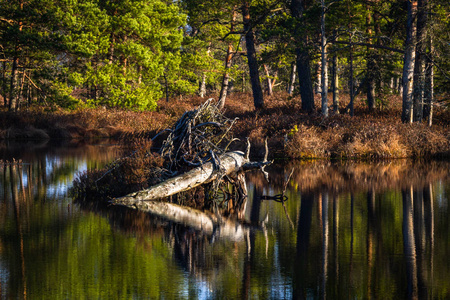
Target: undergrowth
[{"x": 291, "y": 132}]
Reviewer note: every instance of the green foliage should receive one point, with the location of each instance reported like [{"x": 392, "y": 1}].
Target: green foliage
[
  {"x": 60, "y": 93},
  {"x": 128, "y": 53}
]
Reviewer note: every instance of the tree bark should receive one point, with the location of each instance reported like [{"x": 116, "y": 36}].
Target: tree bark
[
  {"x": 269, "y": 80},
  {"x": 228, "y": 61},
  {"x": 230, "y": 162},
  {"x": 335, "y": 84},
  {"x": 12, "y": 91},
  {"x": 258, "y": 97},
  {"x": 303, "y": 60},
  {"x": 351, "y": 82},
  {"x": 317, "y": 85},
  {"x": 429, "y": 86},
  {"x": 370, "y": 78},
  {"x": 324, "y": 63},
  {"x": 419, "y": 65},
  {"x": 4, "y": 84},
  {"x": 292, "y": 79},
  {"x": 408, "y": 63},
  {"x": 202, "y": 87}
]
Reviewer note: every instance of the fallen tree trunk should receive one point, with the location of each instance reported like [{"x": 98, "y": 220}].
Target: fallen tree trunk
[
  {"x": 229, "y": 163},
  {"x": 206, "y": 222}
]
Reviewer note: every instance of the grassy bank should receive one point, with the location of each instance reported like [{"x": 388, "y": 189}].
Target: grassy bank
[{"x": 291, "y": 133}]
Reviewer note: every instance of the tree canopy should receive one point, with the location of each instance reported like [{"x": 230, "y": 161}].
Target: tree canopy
[{"x": 132, "y": 53}]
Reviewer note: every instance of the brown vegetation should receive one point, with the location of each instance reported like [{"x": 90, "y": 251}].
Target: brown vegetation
[
  {"x": 354, "y": 176},
  {"x": 291, "y": 132}
]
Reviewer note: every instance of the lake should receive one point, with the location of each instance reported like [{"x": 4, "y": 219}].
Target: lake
[{"x": 346, "y": 231}]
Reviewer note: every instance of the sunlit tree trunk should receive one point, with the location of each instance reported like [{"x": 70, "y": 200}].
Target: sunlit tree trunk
[
  {"x": 258, "y": 98},
  {"x": 408, "y": 63},
  {"x": 429, "y": 86},
  {"x": 303, "y": 60},
  {"x": 202, "y": 87},
  {"x": 226, "y": 77},
  {"x": 335, "y": 84},
  {"x": 318, "y": 83},
  {"x": 269, "y": 80},
  {"x": 419, "y": 65},
  {"x": 324, "y": 62},
  {"x": 291, "y": 85}
]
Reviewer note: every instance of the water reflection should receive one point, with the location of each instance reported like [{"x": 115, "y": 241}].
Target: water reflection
[{"x": 359, "y": 231}]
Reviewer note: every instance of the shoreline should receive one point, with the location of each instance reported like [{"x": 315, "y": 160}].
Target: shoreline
[{"x": 291, "y": 133}]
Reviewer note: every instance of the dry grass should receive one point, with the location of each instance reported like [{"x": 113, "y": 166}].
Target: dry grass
[{"x": 291, "y": 132}]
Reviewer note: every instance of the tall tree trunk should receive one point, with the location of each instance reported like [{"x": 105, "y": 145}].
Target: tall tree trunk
[
  {"x": 324, "y": 63},
  {"x": 21, "y": 90},
  {"x": 318, "y": 83},
  {"x": 335, "y": 84},
  {"x": 351, "y": 81},
  {"x": 291, "y": 85},
  {"x": 303, "y": 60},
  {"x": 258, "y": 98},
  {"x": 419, "y": 66},
  {"x": 304, "y": 78},
  {"x": 202, "y": 87},
  {"x": 268, "y": 80},
  {"x": 429, "y": 86},
  {"x": 12, "y": 91},
  {"x": 370, "y": 82},
  {"x": 4, "y": 84},
  {"x": 228, "y": 58},
  {"x": 408, "y": 62}
]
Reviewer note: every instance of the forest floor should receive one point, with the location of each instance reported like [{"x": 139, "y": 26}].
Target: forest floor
[{"x": 291, "y": 133}]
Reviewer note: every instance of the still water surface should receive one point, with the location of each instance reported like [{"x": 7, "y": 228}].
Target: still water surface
[{"x": 349, "y": 230}]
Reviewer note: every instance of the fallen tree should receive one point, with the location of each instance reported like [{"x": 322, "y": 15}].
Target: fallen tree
[
  {"x": 195, "y": 155},
  {"x": 230, "y": 163}
]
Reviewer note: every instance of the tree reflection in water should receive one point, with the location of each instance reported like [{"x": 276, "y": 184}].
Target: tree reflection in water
[{"x": 361, "y": 231}]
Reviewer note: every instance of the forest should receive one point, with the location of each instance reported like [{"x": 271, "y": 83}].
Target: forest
[{"x": 135, "y": 55}]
